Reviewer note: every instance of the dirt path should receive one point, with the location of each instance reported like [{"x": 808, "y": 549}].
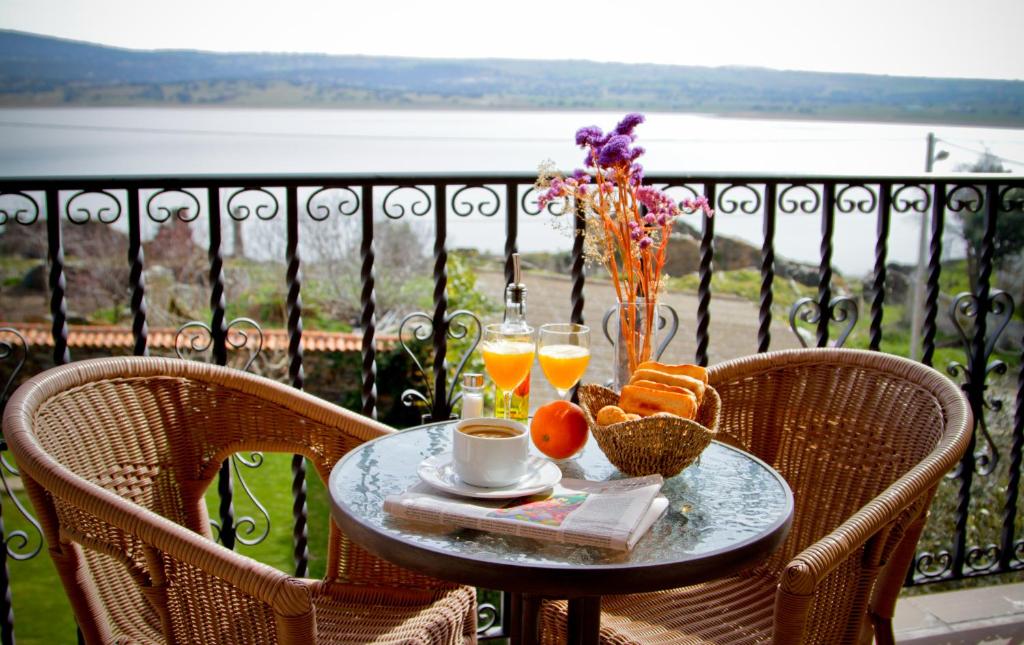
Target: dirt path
[{"x": 733, "y": 329}]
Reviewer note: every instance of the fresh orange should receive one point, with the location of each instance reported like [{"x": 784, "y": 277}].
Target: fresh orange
[{"x": 559, "y": 429}]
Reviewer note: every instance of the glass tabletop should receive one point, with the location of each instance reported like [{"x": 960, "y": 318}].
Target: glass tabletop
[{"x": 726, "y": 501}]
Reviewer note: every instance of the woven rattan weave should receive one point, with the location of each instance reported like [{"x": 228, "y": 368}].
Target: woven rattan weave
[
  {"x": 116, "y": 455},
  {"x": 863, "y": 439},
  {"x": 656, "y": 444}
]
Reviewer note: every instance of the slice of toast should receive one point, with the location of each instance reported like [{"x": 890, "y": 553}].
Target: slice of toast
[
  {"x": 645, "y": 401},
  {"x": 686, "y": 369},
  {"x": 678, "y": 380}
]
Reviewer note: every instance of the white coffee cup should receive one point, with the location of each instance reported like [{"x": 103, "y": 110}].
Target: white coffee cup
[{"x": 490, "y": 453}]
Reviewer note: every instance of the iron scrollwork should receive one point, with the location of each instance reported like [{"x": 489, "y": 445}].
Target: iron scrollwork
[
  {"x": 164, "y": 204},
  {"x": 487, "y": 205},
  {"x": 904, "y": 199},
  {"x": 963, "y": 310},
  {"x": 264, "y": 204},
  {"x": 963, "y": 197},
  {"x": 848, "y": 201},
  {"x": 197, "y": 338},
  {"x": 18, "y": 544},
  {"x": 487, "y": 616},
  {"x": 529, "y": 205},
  {"x": 933, "y": 566},
  {"x": 83, "y": 213},
  {"x": 25, "y": 213},
  {"x": 747, "y": 202},
  {"x": 419, "y": 327},
  {"x": 841, "y": 309},
  {"x": 668, "y": 318},
  {"x": 328, "y": 199},
  {"x": 395, "y": 209},
  {"x": 799, "y": 198}
]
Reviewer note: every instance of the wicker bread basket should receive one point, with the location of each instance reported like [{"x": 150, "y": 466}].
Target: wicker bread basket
[{"x": 657, "y": 444}]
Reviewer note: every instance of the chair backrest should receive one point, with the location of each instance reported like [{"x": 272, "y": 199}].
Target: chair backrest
[
  {"x": 845, "y": 428},
  {"x": 116, "y": 455}
]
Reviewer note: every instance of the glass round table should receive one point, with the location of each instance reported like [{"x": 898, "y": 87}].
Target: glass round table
[{"x": 726, "y": 512}]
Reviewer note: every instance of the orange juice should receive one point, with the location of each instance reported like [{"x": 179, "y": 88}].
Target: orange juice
[
  {"x": 563, "y": 364},
  {"x": 508, "y": 362}
]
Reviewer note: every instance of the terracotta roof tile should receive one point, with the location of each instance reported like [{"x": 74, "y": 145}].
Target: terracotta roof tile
[{"x": 105, "y": 336}]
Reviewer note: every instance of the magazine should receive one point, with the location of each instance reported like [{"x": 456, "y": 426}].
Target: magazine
[{"x": 610, "y": 514}]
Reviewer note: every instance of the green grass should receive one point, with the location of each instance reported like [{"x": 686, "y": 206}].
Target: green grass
[{"x": 746, "y": 284}]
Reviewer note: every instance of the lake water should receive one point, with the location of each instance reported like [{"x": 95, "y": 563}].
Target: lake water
[{"x": 116, "y": 141}]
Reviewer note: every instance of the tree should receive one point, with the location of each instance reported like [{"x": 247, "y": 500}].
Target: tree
[{"x": 1009, "y": 239}]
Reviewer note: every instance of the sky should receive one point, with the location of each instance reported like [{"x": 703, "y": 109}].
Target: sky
[{"x": 939, "y": 38}]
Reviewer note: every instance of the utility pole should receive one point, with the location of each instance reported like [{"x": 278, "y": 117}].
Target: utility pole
[{"x": 917, "y": 308}]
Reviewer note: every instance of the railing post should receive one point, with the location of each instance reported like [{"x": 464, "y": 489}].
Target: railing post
[
  {"x": 825, "y": 265},
  {"x": 1007, "y": 542},
  {"x": 58, "y": 285},
  {"x": 707, "y": 254},
  {"x": 764, "y": 314},
  {"x": 136, "y": 260},
  {"x": 218, "y": 332},
  {"x": 440, "y": 411},
  {"x": 976, "y": 369},
  {"x": 511, "y": 230},
  {"x": 578, "y": 278},
  {"x": 293, "y": 277},
  {"x": 881, "y": 250},
  {"x": 368, "y": 301},
  {"x": 934, "y": 270}
]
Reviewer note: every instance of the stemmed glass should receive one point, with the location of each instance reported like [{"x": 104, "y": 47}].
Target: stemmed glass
[
  {"x": 508, "y": 356},
  {"x": 564, "y": 353}
]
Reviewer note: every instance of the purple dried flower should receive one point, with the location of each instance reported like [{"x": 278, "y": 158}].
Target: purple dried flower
[
  {"x": 628, "y": 123},
  {"x": 650, "y": 218},
  {"x": 701, "y": 203},
  {"x": 644, "y": 243},
  {"x": 589, "y": 136},
  {"x": 616, "y": 152},
  {"x": 636, "y": 175},
  {"x": 581, "y": 176}
]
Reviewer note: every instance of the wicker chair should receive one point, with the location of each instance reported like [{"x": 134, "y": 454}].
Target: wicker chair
[
  {"x": 863, "y": 439},
  {"x": 116, "y": 455}
]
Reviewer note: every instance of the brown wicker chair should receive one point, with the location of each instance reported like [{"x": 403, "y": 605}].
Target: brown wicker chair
[
  {"x": 116, "y": 455},
  {"x": 863, "y": 439}
]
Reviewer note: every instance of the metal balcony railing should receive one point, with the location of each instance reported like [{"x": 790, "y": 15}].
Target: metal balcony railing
[{"x": 979, "y": 315}]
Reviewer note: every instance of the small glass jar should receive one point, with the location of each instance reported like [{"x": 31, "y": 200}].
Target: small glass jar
[{"x": 472, "y": 396}]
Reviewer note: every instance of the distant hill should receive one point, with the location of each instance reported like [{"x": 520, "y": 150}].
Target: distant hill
[{"x": 43, "y": 71}]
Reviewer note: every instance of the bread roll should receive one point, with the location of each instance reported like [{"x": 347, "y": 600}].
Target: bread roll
[
  {"x": 679, "y": 380},
  {"x": 646, "y": 401},
  {"x": 610, "y": 414},
  {"x": 685, "y": 369}
]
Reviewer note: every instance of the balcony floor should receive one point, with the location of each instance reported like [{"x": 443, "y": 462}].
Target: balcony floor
[{"x": 988, "y": 615}]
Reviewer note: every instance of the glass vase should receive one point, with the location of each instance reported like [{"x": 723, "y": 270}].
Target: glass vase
[{"x": 635, "y": 338}]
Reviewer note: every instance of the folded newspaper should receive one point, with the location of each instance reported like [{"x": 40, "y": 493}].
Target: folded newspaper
[{"x": 611, "y": 514}]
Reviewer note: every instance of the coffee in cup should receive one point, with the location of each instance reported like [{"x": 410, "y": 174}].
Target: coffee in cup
[{"x": 490, "y": 453}]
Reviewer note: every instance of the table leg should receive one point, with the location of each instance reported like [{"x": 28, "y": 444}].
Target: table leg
[
  {"x": 523, "y": 619},
  {"x": 584, "y": 620}
]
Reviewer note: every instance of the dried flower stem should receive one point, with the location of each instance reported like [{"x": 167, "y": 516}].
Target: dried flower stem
[{"x": 633, "y": 220}]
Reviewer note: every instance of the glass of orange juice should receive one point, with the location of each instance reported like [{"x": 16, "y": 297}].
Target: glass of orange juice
[
  {"x": 564, "y": 352},
  {"x": 508, "y": 355}
]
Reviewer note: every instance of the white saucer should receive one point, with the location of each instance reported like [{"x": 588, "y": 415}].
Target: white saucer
[{"x": 439, "y": 472}]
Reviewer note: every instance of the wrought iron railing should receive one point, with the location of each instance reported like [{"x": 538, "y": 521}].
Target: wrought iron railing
[{"x": 980, "y": 316}]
